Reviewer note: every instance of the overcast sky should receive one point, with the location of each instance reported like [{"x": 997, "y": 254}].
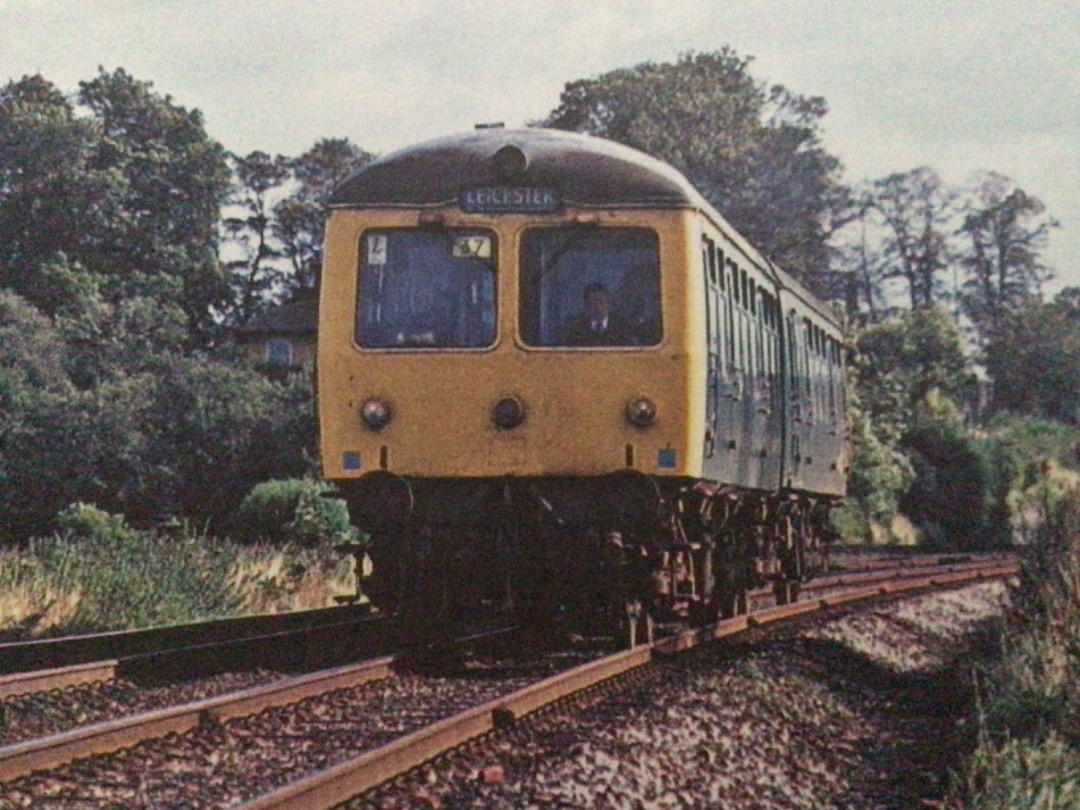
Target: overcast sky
[{"x": 958, "y": 85}]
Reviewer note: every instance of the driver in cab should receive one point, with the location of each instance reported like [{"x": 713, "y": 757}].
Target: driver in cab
[{"x": 597, "y": 325}]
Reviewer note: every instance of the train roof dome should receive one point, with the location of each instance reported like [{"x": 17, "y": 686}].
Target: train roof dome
[{"x": 585, "y": 171}]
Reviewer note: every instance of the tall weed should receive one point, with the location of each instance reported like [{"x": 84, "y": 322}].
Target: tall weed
[
  {"x": 97, "y": 573},
  {"x": 1028, "y": 753}
]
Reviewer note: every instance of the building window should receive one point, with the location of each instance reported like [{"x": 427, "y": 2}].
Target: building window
[{"x": 279, "y": 353}]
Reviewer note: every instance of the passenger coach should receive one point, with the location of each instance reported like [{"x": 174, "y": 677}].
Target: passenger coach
[{"x": 551, "y": 375}]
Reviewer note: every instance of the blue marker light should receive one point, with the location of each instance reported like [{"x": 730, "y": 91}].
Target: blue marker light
[
  {"x": 350, "y": 461},
  {"x": 665, "y": 459}
]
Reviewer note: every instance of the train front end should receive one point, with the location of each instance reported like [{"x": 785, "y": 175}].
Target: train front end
[{"x": 505, "y": 338}]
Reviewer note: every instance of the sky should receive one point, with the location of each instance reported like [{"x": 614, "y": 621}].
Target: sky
[{"x": 960, "y": 86}]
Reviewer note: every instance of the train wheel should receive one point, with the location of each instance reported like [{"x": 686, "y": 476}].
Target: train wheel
[
  {"x": 385, "y": 583},
  {"x": 427, "y": 597}
]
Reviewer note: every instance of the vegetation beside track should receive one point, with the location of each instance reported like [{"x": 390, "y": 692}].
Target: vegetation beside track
[
  {"x": 1028, "y": 749},
  {"x": 100, "y": 574}
]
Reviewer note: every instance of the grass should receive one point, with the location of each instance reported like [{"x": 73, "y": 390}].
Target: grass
[
  {"x": 1028, "y": 752},
  {"x": 112, "y": 577}
]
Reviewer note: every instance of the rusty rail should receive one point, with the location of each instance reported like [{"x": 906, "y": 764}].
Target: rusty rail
[
  {"x": 26, "y": 683},
  {"x": 346, "y": 780},
  {"x": 24, "y": 758}
]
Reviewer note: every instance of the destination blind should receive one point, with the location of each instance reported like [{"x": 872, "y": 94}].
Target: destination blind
[{"x": 503, "y": 199}]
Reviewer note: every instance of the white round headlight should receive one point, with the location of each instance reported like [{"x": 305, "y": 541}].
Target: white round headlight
[
  {"x": 376, "y": 414},
  {"x": 641, "y": 412}
]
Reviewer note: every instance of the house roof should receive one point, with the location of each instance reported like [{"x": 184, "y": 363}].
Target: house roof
[{"x": 292, "y": 318}]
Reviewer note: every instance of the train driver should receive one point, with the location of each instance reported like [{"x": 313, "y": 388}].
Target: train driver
[{"x": 598, "y": 325}]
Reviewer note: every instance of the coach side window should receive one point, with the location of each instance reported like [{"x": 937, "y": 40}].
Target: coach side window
[{"x": 586, "y": 286}]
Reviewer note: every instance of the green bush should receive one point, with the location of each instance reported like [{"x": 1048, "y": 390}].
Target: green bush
[
  {"x": 879, "y": 475},
  {"x": 294, "y": 510},
  {"x": 948, "y": 499},
  {"x": 1024, "y": 458},
  {"x": 92, "y": 525},
  {"x": 81, "y": 420}
]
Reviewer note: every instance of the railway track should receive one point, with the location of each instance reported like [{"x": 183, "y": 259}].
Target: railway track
[
  {"x": 201, "y": 647},
  {"x": 350, "y": 697}
]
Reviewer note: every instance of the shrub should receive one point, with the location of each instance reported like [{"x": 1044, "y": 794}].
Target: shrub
[
  {"x": 879, "y": 474},
  {"x": 81, "y": 420},
  {"x": 293, "y": 510},
  {"x": 1021, "y": 775},
  {"x": 948, "y": 498},
  {"x": 1026, "y": 462},
  {"x": 93, "y": 525},
  {"x": 99, "y": 574}
]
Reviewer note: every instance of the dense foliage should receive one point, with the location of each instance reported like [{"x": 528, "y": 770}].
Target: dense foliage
[
  {"x": 115, "y": 385},
  {"x": 169, "y": 435},
  {"x": 1033, "y": 355},
  {"x": 130, "y": 191}
]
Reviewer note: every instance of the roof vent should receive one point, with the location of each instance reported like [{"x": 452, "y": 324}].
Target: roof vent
[{"x": 496, "y": 125}]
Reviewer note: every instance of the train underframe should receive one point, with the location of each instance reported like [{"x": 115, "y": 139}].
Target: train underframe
[{"x": 616, "y": 554}]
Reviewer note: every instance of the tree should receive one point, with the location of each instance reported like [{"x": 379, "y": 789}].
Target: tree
[
  {"x": 108, "y": 272},
  {"x": 300, "y": 218},
  {"x": 859, "y": 257},
  {"x": 53, "y": 200},
  {"x": 753, "y": 152},
  {"x": 1033, "y": 358},
  {"x": 254, "y": 276},
  {"x": 914, "y": 209},
  {"x": 163, "y": 240},
  {"x": 904, "y": 360},
  {"x": 129, "y": 192},
  {"x": 1006, "y": 229},
  {"x": 40, "y": 413},
  {"x": 278, "y": 219}
]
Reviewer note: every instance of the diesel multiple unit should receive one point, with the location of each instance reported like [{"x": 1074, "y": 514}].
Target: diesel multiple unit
[{"x": 551, "y": 376}]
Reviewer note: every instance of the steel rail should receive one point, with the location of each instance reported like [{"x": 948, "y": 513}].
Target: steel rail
[
  {"x": 378, "y": 765},
  {"x": 52, "y": 653},
  {"x": 26, "y": 683},
  {"x": 296, "y": 647},
  {"x": 876, "y": 575},
  {"x": 21, "y": 759},
  {"x": 342, "y": 782}
]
